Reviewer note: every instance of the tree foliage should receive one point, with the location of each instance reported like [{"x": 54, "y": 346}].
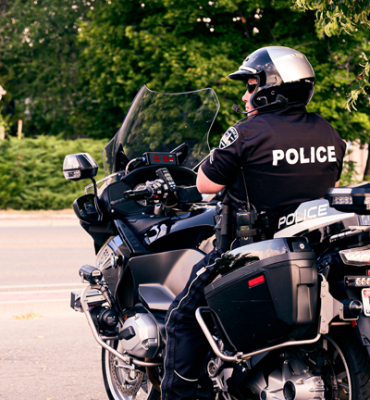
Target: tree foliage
[
  {"x": 38, "y": 63},
  {"x": 73, "y": 67},
  {"x": 349, "y": 17},
  {"x": 174, "y": 46}
]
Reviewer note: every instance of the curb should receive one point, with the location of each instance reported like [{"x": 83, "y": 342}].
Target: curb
[{"x": 37, "y": 299}]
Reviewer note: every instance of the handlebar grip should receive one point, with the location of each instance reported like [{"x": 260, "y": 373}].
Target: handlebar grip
[
  {"x": 131, "y": 194},
  {"x": 136, "y": 194},
  {"x": 113, "y": 203}
]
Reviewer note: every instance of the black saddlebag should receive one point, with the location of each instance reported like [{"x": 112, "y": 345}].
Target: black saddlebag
[{"x": 268, "y": 294}]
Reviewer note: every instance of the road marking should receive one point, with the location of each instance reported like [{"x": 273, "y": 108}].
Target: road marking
[
  {"x": 52, "y": 246},
  {"x": 43, "y": 285},
  {"x": 32, "y": 296}
]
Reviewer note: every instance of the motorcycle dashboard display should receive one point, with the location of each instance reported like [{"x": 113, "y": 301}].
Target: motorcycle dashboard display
[{"x": 160, "y": 159}]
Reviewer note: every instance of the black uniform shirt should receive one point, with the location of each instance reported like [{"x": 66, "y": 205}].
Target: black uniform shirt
[{"x": 289, "y": 156}]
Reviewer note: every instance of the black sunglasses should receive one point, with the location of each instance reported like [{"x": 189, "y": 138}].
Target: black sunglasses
[{"x": 251, "y": 87}]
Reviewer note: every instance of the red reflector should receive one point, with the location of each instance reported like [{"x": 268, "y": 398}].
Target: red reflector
[
  {"x": 353, "y": 323},
  {"x": 156, "y": 158},
  {"x": 256, "y": 281}
]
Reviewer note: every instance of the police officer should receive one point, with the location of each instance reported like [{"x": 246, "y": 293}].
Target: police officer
[{"x": 278, "y": 158}]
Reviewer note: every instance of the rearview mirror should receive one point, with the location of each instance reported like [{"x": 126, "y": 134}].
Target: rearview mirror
[{"x": 79, "y": 166}]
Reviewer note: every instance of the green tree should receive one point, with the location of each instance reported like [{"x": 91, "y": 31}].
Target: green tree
[
  {"x": 80, "y": 77},
  {"x": 180, "y": 45},
  {"x": 348, "y": 21},
  {"x": 38, "y": 62},
  {"x": 341, "y": 18}
]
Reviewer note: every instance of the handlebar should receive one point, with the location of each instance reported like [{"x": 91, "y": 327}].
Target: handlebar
[
  {"x": 133, "y": 195},
  {"x": 160, "y": 188},
  {"x": 136, "y": 194}
]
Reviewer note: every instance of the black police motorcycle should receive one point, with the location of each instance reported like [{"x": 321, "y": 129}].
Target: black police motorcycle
[{"x": 288, "y": 314}]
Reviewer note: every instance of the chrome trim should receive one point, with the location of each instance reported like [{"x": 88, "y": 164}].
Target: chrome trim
[
  {"x": 279, "y": 346},
  {"x": 241, "y": 356},
  {"x": 248, "y": 69},
  {"x": 99, "y": 339}
]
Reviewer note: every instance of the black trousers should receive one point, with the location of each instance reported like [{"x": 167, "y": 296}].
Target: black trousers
[{"x": 186, "y": 346}]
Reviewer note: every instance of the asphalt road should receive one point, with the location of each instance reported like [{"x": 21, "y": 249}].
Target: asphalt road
[
  {"x": 31, "y": 255},
  {"x": 53, "y": 358},
  {"x": 47, "y": 351}
]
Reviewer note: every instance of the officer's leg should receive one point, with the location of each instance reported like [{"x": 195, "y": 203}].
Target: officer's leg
[{"x": 186, "y": 345}]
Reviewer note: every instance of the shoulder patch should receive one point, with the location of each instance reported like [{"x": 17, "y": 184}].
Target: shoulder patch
[{"x": 229, "y": 137}]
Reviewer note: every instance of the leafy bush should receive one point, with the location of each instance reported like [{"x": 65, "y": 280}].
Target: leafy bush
[
  {"x": 348, "y": 176},
  {"x": 31, "y": 172}
]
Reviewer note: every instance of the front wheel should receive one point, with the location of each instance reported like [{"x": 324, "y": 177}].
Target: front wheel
[{"x": 124, "y": 383}]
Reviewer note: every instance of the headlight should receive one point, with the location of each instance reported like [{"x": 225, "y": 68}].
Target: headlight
[{"x": 359, "y": 256}]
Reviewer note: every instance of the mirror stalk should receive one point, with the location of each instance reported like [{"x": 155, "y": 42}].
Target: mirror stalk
[{"x": 96, "y": 200}]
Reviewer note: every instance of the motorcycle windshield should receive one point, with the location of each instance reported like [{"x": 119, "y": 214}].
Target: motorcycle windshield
[{"x": 160, "y": 122}]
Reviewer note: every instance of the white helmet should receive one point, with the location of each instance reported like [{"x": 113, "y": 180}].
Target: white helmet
[{"x": 278, "y": 71}]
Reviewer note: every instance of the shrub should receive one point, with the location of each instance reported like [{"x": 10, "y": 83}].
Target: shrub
[{"x": 31, "y": 172}]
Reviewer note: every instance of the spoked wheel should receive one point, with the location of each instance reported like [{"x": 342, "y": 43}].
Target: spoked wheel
[{"x": 124, "y": 383}]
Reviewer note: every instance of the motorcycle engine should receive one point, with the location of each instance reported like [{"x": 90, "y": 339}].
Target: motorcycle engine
[
  {"x": 139, "y": 336},
  {"x": 293, "y": 381}
]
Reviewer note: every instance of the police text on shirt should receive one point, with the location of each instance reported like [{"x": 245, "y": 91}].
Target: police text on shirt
[{"x": 294, "y": 156}]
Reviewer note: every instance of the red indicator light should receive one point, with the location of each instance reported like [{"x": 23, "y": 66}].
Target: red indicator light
[
  {"x": 165, "y": 158},
  {"x": 171, "y": 159},
  {"x": 366, "y": 293},
  {"x": 256, "y": 281},
  {"x": 368, "y": 272},
  {"x": 156, "y": 158},
  {"x": 354, "y": 324}
]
